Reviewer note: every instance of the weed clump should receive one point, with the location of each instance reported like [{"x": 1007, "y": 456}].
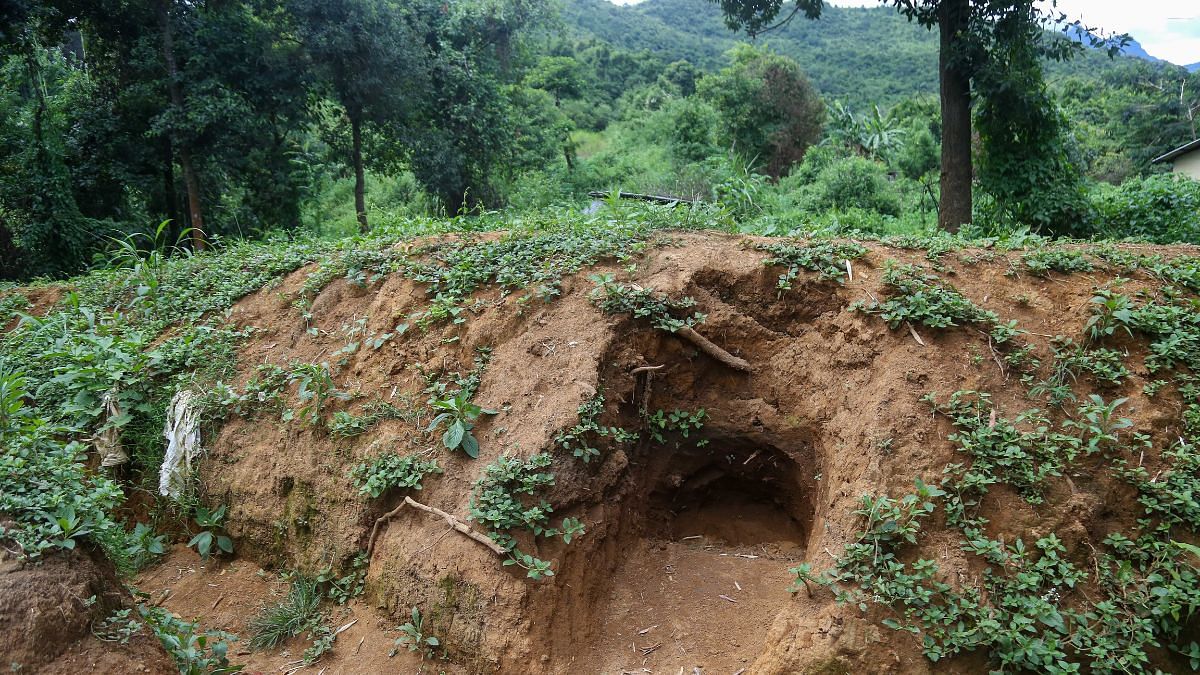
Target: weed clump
[{"x": 921, "y": 298}]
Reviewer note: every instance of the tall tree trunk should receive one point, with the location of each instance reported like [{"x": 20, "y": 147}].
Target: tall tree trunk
[
  {"x": 956, "y": 116},
  {"x": 360, "y": 183},
  {"x": 169, "y": 196},
  {"x": 190, "y": 181}
]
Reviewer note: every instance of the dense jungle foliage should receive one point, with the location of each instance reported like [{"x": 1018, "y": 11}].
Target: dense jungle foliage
[{"x": 239, "y": 119}]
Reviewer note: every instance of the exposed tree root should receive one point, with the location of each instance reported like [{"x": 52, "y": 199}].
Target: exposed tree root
[
  {"x": 454, "y": 522},
  {"x": 713, "y": 350}
]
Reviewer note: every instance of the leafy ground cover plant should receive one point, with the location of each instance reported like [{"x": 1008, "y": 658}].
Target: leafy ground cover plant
[
  {"x": 195, "y": 651},
  {"x": 347, "y": 425},
  {"x": 660, "y": 423},
  {"x": 828, "y": 258},
  {"x": 582, "y": 438},
  {"x": 921, "y": 298},
  {"x": 1046, "y": 260},
  {"x": 498, "y": 504},
  {"x": 391, "y": 470},
  {"x": 614, "y": 297}
]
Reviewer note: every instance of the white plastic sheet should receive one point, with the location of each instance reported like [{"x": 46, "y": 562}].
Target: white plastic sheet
[{"x": 183, "y": 445}]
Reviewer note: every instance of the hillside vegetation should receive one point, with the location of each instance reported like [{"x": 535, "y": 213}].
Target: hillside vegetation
[
  {"x": 331, "y": 340},
  {"x": 992, "y": 439}
]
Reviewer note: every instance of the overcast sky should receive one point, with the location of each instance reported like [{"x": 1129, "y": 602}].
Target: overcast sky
[{"x": 1168, "y": 29}]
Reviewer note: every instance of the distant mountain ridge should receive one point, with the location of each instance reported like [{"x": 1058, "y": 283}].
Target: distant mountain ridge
[{"x": 858, "y": 55}]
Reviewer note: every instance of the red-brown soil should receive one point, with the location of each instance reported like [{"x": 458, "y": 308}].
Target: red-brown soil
[
  {"x": 48, "y": 611},
  {"x": 684, "y": 567}
]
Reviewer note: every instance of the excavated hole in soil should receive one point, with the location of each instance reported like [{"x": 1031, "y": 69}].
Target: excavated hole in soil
[
  {"x": 732, "y": 496},
  {"x": 704, "y": 568}
]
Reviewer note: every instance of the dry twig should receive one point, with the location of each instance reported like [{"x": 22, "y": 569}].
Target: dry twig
[{"x": 452, "y": 521}]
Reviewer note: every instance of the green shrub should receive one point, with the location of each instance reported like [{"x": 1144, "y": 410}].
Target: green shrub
[
  {"x": 391, "y": 470},
  {"x": 1163, "y": 208},
  {"x": 847, "y": 183}
]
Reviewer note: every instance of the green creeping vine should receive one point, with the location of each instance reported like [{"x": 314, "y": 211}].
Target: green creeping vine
[
  {"x": 1071, "y": 360},
  {"x": 1026, "y": 610},
  {"x": 920, "y": 298},
  {"x": 1001, "y": 451},
  {"x": 347, "y": 425},
  {"x": 684, "y": 423},
  {"x": 497, "y": 504},
  {"x": 614, "y": 297},
  {"x": 829, "y": 259},
  {"x": 580, "y": 439},
  {"x": 1046, "y": 260},
  {"x": 391, "y": 470}
]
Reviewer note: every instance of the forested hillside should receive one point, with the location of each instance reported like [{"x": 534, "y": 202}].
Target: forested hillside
[
  {"x": 862, "y": 56},
  {"x": 507, "y": 336},
  {"x": 244, "y": 119}
]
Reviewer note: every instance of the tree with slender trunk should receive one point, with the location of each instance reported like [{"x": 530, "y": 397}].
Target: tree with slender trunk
[
  {"x": 955, "y": 87},
  {"x": 360, "y": 183},
  {"x": 190, "y": 181},
  {"x": 369, "y": 55},
  {"x": 969, "y": 32}
]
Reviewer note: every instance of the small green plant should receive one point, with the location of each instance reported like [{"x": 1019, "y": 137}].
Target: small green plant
[
  {"x": 920, "y": 298},
  {"x": 678, "y": 421},
  {"x": 314, "y": 387},
  {"x": 1070, "y": 361},
  {"x": 343, "y": 589},
  {"x": 297, "y": 612},
  {"x": 392, "y": 470},
  {"x": 578, "y": 439},
  {"x": 1098, "y": 421},
  {"x": 1110, "y": 311},
  {"x": 497, "y": 503},
  {"x": 1022, "y": 453},
  {"x": 828, "y": 258},
  {"x": 194, "y": 651},
  {"x": 614, "y": 297},
  {"x": 412, "y": 636},
  {"x": 459, "y": 414},
  {"x": 68, "y": 526},
  {"x": 143, "y": 545},
  {"x": 347, "y": 425},
  {"x": 1046, "y": 260},
  {"x": 211, "y": 537},
  {"x": 118, "y": 627}
]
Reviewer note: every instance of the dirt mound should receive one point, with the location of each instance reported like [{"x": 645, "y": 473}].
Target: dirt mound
[
  {"x": 49, "y": 613},
  {"x": 690, "y": 538}
]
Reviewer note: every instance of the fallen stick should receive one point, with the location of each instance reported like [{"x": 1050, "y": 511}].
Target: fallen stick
[
  {"x": 713, "y": 350},
  {"x": 646, "y": 369},
  {"x": 452, "y": 521}
]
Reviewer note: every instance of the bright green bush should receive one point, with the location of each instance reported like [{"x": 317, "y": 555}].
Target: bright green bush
[
  {"x": 1163, "y": 208},
  {"x": 852, "y": 182}
]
